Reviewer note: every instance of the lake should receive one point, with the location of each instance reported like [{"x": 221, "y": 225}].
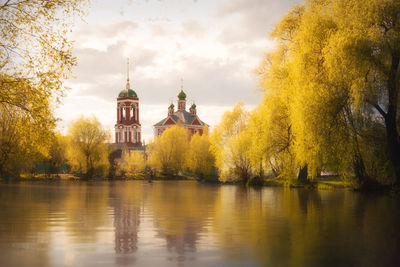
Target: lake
[{"x": 184, "y": 223}]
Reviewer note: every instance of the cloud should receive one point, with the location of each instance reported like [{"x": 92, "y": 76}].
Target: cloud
[
  {"x": 104, "y": 72},
  {"x": 213, "y": 45},
  {"x": 158, "y": 30},
  {"x": 213, "y": 82},
  {"x": 193, "y": 28},
  {"x": 109, "y": 31},
  {"x": 257, "y": 18}
]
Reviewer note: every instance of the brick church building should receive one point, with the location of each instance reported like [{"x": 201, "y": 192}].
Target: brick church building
[
  {"x": 187, "y": 119},
  {"x": 128, "y": 127}
]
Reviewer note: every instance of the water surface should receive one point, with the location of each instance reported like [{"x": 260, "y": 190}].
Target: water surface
[{"x": 183, "y": 223}]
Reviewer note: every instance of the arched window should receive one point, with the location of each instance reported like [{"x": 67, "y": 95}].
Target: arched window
[
  {"x": 123, "y": 114},
  {"x": 133, "y": 114}
]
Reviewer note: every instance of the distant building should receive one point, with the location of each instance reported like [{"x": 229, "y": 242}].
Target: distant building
[
  {"x": 189, "y": 120},
  {"x": 128, "y": 128}
]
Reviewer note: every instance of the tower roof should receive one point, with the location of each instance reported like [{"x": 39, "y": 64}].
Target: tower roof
[{"x": 127, "y": 93}]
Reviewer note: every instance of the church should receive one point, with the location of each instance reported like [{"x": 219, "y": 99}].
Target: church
[
  {"x": 128, "y": 127},
  {"x": 189, "y": 120}
]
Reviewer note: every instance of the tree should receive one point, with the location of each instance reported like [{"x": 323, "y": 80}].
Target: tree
[
  {"x": 168, "y": 152},
  {"x": 366, "y": 48},
  {"x": 22, "y": 142},
  {"x": 88, "y": 148},
  {"x": 200, "y": 159},
  {"x": 227, "y": 144},
  {"x": 133, "y": 164},
  {"x": 272, "y": 137},
  {"x": 275, "y": 139},
  {"x": 36, "y": 58},
  {"x": 57, "y": 153},
  {"x": 324, "y": 73}
]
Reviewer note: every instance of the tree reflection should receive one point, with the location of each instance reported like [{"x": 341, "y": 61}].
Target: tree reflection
[
  {"x": 24, "y": 223},
  {"x": 85, "y": 207},
  {"x": 78, "y": 223},
  {"x": 182, "y": 211},
  {"x": 295, "y": 227},
  {"x": 126, "y": 201}
]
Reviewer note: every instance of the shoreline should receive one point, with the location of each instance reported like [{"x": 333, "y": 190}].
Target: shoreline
[
  {"x": 318, "y": 184},
  {"x": 328, "y": 183}
]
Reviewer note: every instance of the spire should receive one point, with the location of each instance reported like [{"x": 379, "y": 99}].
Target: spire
[
  {"x": 128, "y": 86},
  {"x": 181, "y": 84}
]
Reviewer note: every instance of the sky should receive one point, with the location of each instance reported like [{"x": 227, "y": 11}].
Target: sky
[{"x": 215, "y": 46}]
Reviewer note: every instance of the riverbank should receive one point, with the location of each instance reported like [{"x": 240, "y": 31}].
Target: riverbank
[{"x": 321, "y": 183}]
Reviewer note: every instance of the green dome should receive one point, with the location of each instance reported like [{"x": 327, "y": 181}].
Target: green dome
[
  {"x": 193, "y": 107},
  {"x": 182, "y": 95},
  {"x": 129, "y": 93},
  {"x": 171, "y": 106}
]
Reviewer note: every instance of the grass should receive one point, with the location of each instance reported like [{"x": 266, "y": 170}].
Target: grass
[{"x": 324, "y": 183}]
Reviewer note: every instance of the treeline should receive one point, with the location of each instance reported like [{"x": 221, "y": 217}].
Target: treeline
[
  {"x": 172, "y": 155},
  {"x": 87, "y": 152}
]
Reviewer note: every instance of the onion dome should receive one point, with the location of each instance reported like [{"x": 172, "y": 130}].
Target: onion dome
[
  {"x": 182, "y": 95},
  {"x": 193, "y": 106},
  {"x": 171, "y": 106},
  {"x": 127, "y": 93}
]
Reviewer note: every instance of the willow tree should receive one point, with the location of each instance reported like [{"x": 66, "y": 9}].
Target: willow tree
[
  {"x": 22, "y": 142},
  {"x": 365, "y": 53},
  {"x": 168, "y": 152},
  {"x": 271, "y": 147},
  {"x": 88, "y": 147},
  {"x": 277, "y": 138},
  {"x": 320, "y": 109},
  {"x": 35, "y": 59},
  {"x": 200, "y": 159},
  {"x": 230, "y": 146},
  {"x": 327, "y": 66},
  {"x": 133, "y": 164}
]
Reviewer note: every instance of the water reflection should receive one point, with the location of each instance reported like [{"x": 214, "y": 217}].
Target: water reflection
[
  {"x": 185, "y": 223},
  {"x": 126, "y": 214},
  {"x": 181, "y": 216}
]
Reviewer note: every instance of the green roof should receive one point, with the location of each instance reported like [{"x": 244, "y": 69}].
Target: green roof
[
  {"x": 182, "y": 95},
  {"x": 193, "y": 107},
  {"x": 171, "y": 106},
  {"x": 129, "y": 93}
]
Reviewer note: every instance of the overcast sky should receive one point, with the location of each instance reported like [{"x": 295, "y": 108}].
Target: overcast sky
[{"x": 213, "y": 45}]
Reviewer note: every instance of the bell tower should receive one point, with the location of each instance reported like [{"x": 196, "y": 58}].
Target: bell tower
[{"x": 128, "y": 127}]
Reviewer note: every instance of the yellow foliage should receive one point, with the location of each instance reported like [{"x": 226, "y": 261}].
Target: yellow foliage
[
  {"x": 35, "y": 58},
  {"x": 88, "y": 147},
  {"x": 330, "y": 69},
  {"x": 200, "y": 159},
  {"x": 133, "y": 164},
  {"x": 168, "y": 152},
  {"x": 227, "y": 143},
  {"x": 23, "y": 141}
]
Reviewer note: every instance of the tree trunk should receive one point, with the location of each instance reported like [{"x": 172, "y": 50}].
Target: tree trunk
[
  {"x": 392, "y": 135},
  {"x": 88, "y": 168},
  {"x": 392, "y": 139},
  {"x": 303, "y": 174},
  {"x": 359, "y": 170}
]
